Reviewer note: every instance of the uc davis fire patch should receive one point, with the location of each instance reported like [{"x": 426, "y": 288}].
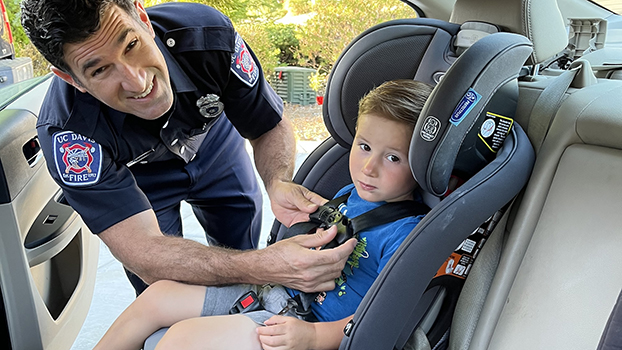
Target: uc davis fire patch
[
  {"x": 78, "y": 159},
  {"x": 242, "y": 63}
]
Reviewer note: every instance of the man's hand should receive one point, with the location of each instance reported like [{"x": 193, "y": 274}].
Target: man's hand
[
  {"x": 292, "y": 262},
  {"x": 292, "y": 203}
]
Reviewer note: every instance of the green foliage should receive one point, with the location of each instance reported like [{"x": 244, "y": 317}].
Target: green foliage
[
  {"x": 298, "y": 7},
  {"x": 316, "y": 44},
  {"x": 337, "y": 23},
  {"x": 240, "y": 10},
  {"x": 283, "y": 38},
  {"x": 13, "y": 11}
]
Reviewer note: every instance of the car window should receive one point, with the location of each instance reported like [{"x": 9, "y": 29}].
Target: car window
[{"x": 9, "y": 93}]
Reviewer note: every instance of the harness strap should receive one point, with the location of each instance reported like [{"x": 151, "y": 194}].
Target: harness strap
[{"x": 329, "y": 214}]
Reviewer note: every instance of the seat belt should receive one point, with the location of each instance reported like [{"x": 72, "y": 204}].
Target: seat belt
[
  {"x": 328, "y": 215},
  {"x": 546, "y": 106}
]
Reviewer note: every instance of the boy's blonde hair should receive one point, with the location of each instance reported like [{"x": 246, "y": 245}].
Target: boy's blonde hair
[{"x": 400, "y": 100}]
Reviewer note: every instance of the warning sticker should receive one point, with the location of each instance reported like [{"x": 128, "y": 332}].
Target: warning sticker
[
  {"x": 460, "y": 261},
  {"x": 494, "y": 130}
]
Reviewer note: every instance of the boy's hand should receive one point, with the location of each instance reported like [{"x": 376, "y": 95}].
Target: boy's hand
[{"x": 286, "y": 333}]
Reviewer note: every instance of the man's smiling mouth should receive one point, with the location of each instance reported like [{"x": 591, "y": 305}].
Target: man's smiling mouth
[{"x": 147, "y": 92}]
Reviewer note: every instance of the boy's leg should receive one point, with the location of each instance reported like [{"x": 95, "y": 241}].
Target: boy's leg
[
  {"x": 161, "y": 305},
  {"x": 212, "y": 333}
]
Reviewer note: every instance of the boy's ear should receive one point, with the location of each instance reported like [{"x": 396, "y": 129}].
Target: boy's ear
[{"x": 68, "y": 79}]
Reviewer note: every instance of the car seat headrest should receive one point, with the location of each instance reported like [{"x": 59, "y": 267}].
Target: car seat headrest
[
  {"x": 456, "y": 103},
  {"x": 414, "y": 48},
  {"x": 538, "y": 20}
]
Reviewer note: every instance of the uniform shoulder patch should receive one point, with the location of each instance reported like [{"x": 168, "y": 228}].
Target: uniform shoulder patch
[
  {"x": 242, "y": 63},
  {"x": 78, "y": 158}
]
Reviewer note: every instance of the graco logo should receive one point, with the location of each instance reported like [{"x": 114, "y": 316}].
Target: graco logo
[
  {"x": 430, "y": 129},
  {"x": 466, "y": 104}
]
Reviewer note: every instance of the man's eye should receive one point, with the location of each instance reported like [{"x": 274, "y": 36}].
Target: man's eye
[
  {"x": 393, "y": 158},
  {"x": 98, "y": 71},
  {"x": 131, "y": 45}
]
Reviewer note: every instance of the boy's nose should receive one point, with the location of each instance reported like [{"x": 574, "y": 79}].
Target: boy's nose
[{"x": 369, "y": 167}]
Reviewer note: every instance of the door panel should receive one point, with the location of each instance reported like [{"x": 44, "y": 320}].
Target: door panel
[{"x": 48, "y": 257}]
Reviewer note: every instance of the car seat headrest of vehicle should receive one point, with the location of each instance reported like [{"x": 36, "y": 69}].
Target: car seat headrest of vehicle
[
  {"x": 456, "y": 103},
  {"x": 540, "y": 21}
]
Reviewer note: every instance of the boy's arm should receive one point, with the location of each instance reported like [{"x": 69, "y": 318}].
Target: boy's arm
[{"x": 290, "y": 333}]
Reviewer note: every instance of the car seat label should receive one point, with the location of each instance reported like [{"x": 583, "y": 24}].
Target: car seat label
[
  {"x": 461, "y": 260},
  {"x": 430, "y": 128},
  {"x": 466, "y": 104},
  {"x": 78, "y": 158},
  {"x": 494, "y": 130},
  {"x": 242, "y": 63}
]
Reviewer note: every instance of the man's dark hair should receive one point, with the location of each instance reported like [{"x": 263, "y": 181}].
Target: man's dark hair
[{"x": 52, "y": 23}]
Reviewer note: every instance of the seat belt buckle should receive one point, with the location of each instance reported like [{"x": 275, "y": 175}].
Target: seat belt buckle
[
  {"x": 329, "y": 216},
  {"x": 246, "y": 303}
]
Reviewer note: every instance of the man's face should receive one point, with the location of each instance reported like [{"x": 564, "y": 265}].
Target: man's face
[
  {"x": 122, "y": 66},
  {"x": 379, "y": 159}
]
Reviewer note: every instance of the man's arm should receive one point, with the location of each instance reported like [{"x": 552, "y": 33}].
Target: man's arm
[
  {"x": 138, "y": 243},
  {"x": 274, "y": 154}
]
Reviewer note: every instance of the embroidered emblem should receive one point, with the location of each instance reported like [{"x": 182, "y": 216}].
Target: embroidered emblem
[
  {"x": 210, "y": 106},
  {"x": 242, "y": 63},
  {"x": 78, "y": 159}
]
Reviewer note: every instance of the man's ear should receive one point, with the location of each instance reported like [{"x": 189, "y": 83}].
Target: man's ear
[
  {"x": 68, "y": 79},
  {"x": 144, "y": 18}
]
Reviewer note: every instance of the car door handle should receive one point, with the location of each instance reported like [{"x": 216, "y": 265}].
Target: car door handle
[
  {"x": 54, "y": 228},
  {"x": 32, "y": 151}
]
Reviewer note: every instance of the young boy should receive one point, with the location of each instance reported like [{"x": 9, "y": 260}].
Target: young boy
[{"x": 380, "y": 171}]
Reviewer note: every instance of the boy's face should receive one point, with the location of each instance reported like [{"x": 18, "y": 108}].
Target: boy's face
[
  {"x": 379, "y": 159},
  {"x": 121, "y": 65}
]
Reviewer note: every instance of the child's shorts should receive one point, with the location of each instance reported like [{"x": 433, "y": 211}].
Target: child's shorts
[{"x": 219, "y": 300}]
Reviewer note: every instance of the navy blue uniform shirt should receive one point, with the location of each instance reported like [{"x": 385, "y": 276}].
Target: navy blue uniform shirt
[{"x": 90, "y": 147}]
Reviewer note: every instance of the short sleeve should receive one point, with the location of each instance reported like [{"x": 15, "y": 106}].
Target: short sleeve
[{"x": 102, "y": 192}]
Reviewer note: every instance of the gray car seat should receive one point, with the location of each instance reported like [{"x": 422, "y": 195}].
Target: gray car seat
[
  {"x": 391, "y": 309},
  {"x": 558, "y": 273},
  {"x": 419, "y": 49}
]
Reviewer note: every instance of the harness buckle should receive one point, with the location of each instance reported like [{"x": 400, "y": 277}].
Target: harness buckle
[
  {"x": 246, "y": 303},
  {"x": 329, "y": 216}
]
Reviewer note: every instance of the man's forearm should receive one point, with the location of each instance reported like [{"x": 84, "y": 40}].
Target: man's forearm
[
  {"x": 140, "y": 246},
  {"x": 175, "y": 258},
  {"x": 275, "y": 153}
]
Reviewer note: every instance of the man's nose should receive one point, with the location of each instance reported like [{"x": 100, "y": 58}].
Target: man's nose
[{"x": 133, "y": 78}]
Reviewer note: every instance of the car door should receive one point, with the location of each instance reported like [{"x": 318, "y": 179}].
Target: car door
[{"x": 48, "y": 257}]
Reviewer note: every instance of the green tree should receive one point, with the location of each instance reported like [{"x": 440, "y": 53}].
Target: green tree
[
  {"x": 23, "y": 46},
  {"x": 337, "y": 23},
  {"x": 240, "y": 10}
]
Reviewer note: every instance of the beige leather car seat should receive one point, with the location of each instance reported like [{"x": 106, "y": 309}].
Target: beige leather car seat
[{"x": 559, "y": 271}]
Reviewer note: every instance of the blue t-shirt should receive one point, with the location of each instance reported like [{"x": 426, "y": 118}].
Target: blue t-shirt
[{"x": 374, "y": 249}]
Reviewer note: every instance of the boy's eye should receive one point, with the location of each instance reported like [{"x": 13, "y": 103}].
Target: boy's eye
[
  {"x": 365, "y": 147},
  {"x": 393, "y": 158}
]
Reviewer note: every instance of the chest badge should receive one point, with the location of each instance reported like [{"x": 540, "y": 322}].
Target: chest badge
[{"x": 210, "y": 106}]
